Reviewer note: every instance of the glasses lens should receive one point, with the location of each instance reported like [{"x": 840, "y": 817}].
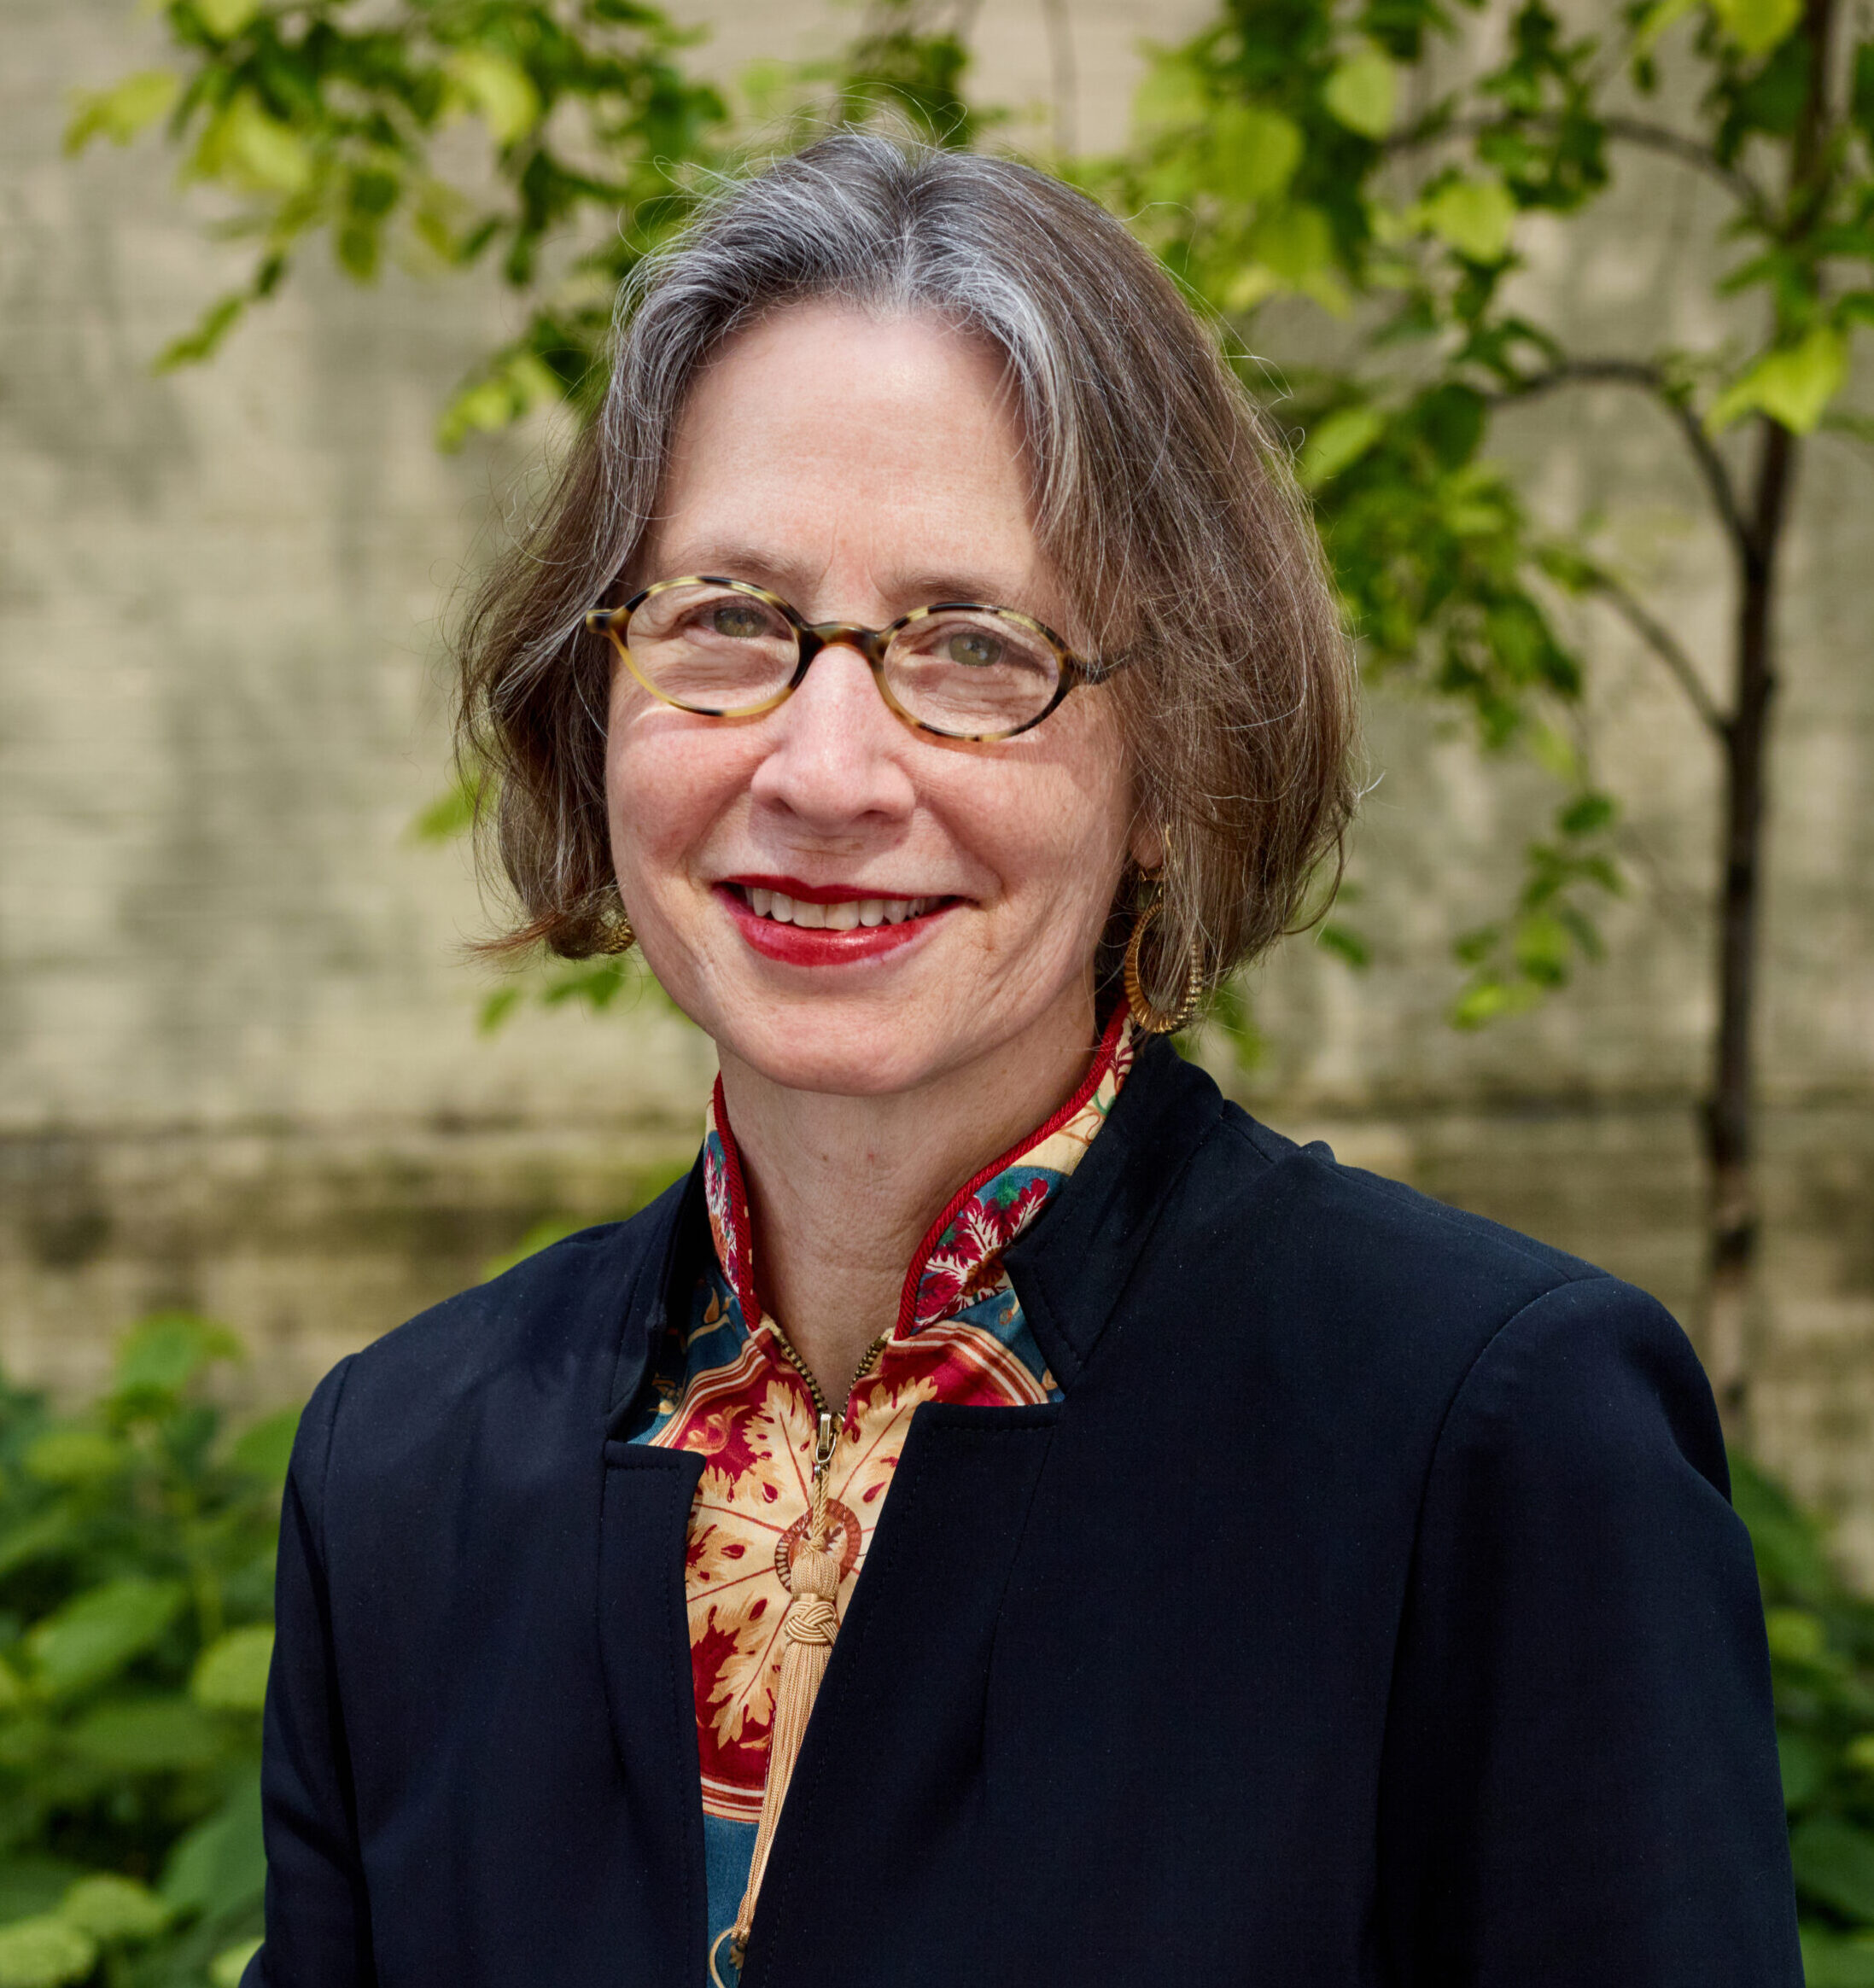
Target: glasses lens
[
  {"x": 712, "y": 648},
  {"x": 972, "y": 672}
]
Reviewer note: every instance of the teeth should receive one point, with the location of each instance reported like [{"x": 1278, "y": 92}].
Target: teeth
[{"x": 835, "y": 917}]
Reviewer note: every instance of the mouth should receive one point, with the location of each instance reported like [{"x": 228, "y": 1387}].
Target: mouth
[{"x": 822, "y": 924}]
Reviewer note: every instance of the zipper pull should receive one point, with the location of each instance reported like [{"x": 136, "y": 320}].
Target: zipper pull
[{"x": 823, "y": 1450}]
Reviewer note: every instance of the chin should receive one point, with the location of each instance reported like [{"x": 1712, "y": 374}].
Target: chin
[{"x": 836, "y": 1056}]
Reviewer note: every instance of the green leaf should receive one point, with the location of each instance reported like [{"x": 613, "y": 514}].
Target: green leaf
[
  {"x": 110, "y": 1908},
  {"x": 1338, "y": 442},
  {"x": 1758, "y": 25},
  {"x": 51, "y": 1531},
  {"x": 231, "y": 1675},
  {"x": 1859, "y": 1753},
  {"x": 226, "y": 1968},
  {"x": 1587, "y": 815},
  {"x": 75, "y": 1456},
  {"x": 1655, "y": 22},
  {"x": 1346, "y": 944},
  {"x": 253, "y": 151},
  {"x": 1253, "y": 152},
  {"x": 220, "y": 1865},
  {"x": 1489, "y": 1000},
  {"x": 449, "y": 815},
  {"x": 226, "y": 18},
  {"x": 45, "y": 1952},
  {"x": 119, "y": 112},
  {"x": 1295, "y": 242},
  {"x": 148, "y": 1735},
  {"x": 99, "y": 1632},
  {"x": 194, "y": 346},
  {"x": 30, "y": 1886},
  {"x": 1832, "y": 1961},
  {"x": 1363, "y": 92},
  {"x": 500, "y": 90},
  {"x": 1805, "y": 1768},
  {"x": 1475, "y": 216},
  {"x": 1796, "y": 1634},
  {"x": 1793, "y": 385},
  {"x": 1835, "y": 1864},
  {"x": 264, "y": 1450},
  {"x": 1170, "y": 95},
  {"x": 165, "y": 1352}
]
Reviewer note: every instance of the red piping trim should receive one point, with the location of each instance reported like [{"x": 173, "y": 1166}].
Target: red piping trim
[
  {"x": 907, "y": 1300},
  {"x": 743, "y": 1240}
]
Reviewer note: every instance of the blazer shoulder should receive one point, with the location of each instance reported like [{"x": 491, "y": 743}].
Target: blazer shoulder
[
  {"x": 1382, "y": 1214},
  {"x": 1362, "y": 1259}
]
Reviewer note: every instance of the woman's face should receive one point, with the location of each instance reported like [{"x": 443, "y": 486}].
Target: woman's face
[{"x": 859, "y": 469}]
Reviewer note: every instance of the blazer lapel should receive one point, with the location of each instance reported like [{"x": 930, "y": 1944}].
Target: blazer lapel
[
  {"x": 644, "y": 1641},
  {"x": 893, "y": 1764}
]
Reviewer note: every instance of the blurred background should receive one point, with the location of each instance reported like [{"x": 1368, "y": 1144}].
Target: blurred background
[{"x": 1532, "y": 299}]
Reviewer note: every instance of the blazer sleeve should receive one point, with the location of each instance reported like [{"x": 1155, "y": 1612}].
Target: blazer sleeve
[
  {"x": 1580, "y": 1783},
  {"x": 318, "y": 1916}
]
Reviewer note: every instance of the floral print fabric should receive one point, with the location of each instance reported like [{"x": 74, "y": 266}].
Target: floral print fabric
[{"x": 726, "y": 1388}]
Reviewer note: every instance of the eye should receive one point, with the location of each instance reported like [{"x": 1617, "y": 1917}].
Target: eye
[
  {"x": 742, "y": 621},
  {"x": 974, "y": 648}
]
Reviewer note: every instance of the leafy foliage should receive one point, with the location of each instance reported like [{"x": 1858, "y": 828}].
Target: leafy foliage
[
  {"x": 1274, "y": 163},
  {"x": 1822, "y": 1659},
  {"x": 136, "y": 1604},
  {"x": 336, "y": 118}
]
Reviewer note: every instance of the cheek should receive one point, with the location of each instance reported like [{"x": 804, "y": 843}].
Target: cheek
[
  {"x": 1063, "y": 827},
  {"x": 668, "y": 781}
]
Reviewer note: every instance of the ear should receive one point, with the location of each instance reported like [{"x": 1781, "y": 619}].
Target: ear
[{"x": 1146, "y": 845}]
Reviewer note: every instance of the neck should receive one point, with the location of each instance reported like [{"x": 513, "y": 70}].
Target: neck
[{"x": 841, "y": 1190}]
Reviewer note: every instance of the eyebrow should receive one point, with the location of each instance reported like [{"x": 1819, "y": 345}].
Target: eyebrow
[{"x": 915, "y": 589}]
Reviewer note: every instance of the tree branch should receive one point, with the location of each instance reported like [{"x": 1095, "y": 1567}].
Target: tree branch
[
  {"x": 1649, "y": 379},
  {"x": 1633, "y": 131},
  {"x": 1666, "y": 646},
  {"x": 1629, "y": 131}
]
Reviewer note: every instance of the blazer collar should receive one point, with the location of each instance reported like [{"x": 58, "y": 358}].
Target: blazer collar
[{"x": 1069, "y": 1270}]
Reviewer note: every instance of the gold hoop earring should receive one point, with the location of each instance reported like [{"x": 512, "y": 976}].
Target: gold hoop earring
[
  {"x": 615, "y": 933},
  {"x": 1154, "y": 1021}
]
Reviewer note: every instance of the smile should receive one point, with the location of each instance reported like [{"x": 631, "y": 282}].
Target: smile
[
  {"x": 844, "y": 915},
  {"x": 814, "y": 925}
]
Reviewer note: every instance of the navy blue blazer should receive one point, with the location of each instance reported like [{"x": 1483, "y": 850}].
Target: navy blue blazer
[{"x": 1369, "y": 1611}]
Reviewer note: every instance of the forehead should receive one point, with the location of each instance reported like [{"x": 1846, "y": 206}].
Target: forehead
[{"x": 823, "y": 440}]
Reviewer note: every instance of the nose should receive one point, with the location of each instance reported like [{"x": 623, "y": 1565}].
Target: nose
[{"x": 837, "y": 755}]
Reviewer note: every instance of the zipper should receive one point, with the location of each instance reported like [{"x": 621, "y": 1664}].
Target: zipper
[{"x": 826, "y": 1438}]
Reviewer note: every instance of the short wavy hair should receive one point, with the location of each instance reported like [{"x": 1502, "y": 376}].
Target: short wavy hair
[{"x": 1161, "y": 495}]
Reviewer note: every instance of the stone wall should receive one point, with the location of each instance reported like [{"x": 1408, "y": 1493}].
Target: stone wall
[{"x": 241, "y": 1066}]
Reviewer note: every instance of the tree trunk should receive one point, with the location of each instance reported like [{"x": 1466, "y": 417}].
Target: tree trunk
[{"x": 1730, "y": 1108}]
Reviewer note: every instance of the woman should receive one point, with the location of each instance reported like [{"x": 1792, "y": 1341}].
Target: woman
[{"x": 1008, "y": 1516}]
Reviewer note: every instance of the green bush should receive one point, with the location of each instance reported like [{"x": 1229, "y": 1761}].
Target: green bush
[
  {"x": 1822, "y": 1660},
  {"x": 135, "y": 1601},
  {"x": 137, "y": 1546}
]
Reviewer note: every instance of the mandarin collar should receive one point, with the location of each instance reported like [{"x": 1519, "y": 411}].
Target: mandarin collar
[{"x": 962, "y": 1250}]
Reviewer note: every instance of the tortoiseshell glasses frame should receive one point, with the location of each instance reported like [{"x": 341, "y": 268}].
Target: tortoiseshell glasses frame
[{"x": 696, "y": 660}]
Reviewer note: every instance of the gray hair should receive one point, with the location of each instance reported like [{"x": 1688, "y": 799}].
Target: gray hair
[{"x": 1160, "y": 495}]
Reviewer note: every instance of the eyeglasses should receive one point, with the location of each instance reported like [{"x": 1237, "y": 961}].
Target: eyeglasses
[{"x": 728, "y": 649}]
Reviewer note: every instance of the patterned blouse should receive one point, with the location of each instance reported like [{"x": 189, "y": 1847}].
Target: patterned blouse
[{"x": 730, "y": 1388}]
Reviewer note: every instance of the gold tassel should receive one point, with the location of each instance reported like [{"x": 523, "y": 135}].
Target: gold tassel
[{"x": 811, "y": 1623}]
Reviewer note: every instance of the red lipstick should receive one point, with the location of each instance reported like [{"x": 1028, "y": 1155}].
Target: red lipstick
[{"x": 791, "y": 944}]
